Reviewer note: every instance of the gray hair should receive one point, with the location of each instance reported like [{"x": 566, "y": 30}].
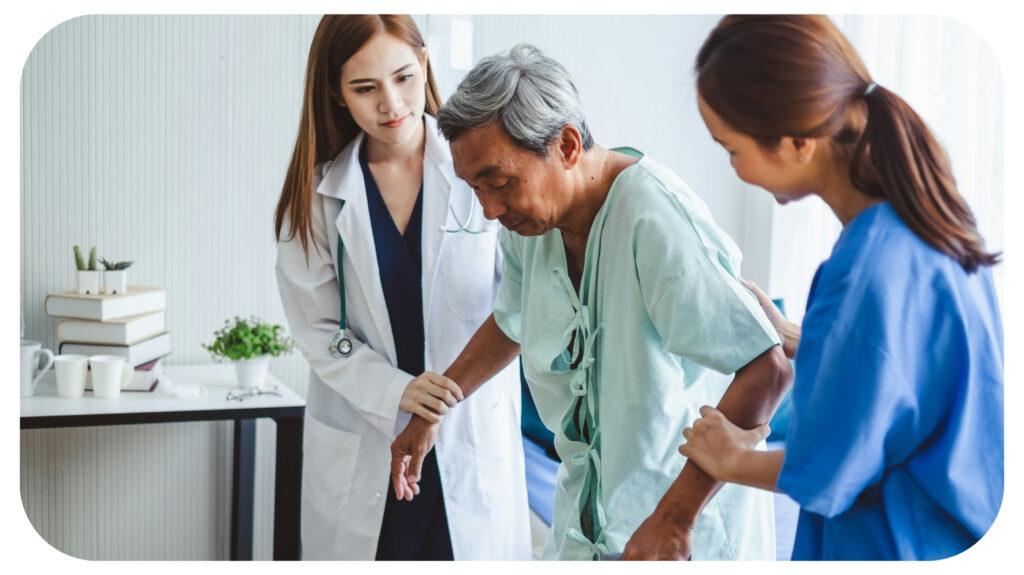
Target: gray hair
[{"x": 531, "y": 95}]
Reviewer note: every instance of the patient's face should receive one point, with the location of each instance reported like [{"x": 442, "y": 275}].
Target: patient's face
[{"x": 523, "y": 191}]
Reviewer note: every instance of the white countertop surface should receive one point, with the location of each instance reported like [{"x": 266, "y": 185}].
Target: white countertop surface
[{"x": 216, "y": 379}]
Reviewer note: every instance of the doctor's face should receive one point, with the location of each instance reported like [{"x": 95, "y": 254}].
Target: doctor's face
[
  {"x": 384, "y": 87},
  {"x": 515, "y": 186},
  {"x": 755, "y": 164}
]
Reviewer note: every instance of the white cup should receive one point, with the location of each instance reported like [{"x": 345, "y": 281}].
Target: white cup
[
  {"x": 71, "y": 372},
  {"x": 31, "y": 372},
  {"x": 109, "y": 374}
]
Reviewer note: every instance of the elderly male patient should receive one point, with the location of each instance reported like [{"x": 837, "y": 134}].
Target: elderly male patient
[{"x": 622, "y": 296}]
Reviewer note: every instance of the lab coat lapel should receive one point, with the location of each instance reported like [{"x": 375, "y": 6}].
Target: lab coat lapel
[
  {"x": 437, "y": 189},
  {"x": 344, "y": 181}
]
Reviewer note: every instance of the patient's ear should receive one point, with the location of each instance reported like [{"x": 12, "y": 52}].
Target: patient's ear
[{"x": 570, "y": 146}]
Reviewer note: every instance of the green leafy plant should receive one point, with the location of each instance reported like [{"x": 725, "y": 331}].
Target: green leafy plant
[
  {"x": 115, "y": 266},
  {"x": 79, "y": 260},
  {"x": 246, "y": 339}
]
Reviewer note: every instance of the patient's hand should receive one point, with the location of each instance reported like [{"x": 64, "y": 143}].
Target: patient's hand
[{"x": 407, "y": 453}]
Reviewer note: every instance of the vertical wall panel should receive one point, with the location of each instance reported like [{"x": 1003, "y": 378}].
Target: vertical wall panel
[{"x": 163, "y": 140}]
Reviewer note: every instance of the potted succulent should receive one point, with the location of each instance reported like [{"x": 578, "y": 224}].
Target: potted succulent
[
  {"x": 115, "y": 276},
  {"x": 88, "y": 275},
  {"x": 249, "y": 344}
]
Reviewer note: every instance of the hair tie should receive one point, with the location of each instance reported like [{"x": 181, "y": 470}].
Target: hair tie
[{"x": 869, "y": 89}]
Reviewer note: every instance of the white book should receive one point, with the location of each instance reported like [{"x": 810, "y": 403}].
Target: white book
[
  {"x": 136, "y": 354},
  {"x": 104, "y": 307},
  {"x": 120, "y": 331}
]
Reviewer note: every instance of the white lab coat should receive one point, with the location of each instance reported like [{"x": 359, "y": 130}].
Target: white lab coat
[{"x": 352, "y": 412}]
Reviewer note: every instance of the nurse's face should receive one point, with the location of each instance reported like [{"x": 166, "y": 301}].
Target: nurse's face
[
  {"x": 777, "y": 170},
  {"x": 515, "y": 186},
  {"x": 383, "y": 86}
]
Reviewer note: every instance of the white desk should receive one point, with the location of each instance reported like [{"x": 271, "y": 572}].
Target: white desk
[{"x": 46, "y": 410}]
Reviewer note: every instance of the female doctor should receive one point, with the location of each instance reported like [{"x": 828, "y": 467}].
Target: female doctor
[{"x": 386, "y": 268}]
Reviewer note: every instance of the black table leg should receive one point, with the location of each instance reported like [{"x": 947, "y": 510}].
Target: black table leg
[
  {"x": 243, "y": 489},
  {"x": 287, "y": 488}
]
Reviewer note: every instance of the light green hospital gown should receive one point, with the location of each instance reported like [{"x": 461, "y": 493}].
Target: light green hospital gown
[{"x": 659, "y": 326}]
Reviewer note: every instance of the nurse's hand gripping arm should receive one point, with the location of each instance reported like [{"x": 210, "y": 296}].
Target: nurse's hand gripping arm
[
  {"x": 728, "y": 453},
  {"x": 789, "y": 332},
  {"x": 487, "y": 353},
  {"x": 749, "y": 401}
]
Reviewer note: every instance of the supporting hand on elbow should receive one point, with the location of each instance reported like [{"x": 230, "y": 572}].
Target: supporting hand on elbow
[
  {"x": 789, "y": 332},
  {"x": 717, "y": 445},
  {"x": 430, "y": 396}
]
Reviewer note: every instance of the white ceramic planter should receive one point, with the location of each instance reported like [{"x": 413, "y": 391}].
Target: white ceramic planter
[
  {"x": 89, "y": 281},
  {"x": 115, "y": 281},
  {"x": 252, "y": 372}
]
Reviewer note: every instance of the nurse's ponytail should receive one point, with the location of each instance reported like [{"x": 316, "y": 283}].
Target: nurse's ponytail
[
  {"x": 898, "y": 158},
  {"x": 325, "y": 126},
  {"x": 797, "y": 76}
]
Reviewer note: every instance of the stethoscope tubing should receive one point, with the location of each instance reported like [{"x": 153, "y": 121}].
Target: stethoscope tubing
[
  {"x": 340, "y": 345},
  {"x": 464, "y": 226}
]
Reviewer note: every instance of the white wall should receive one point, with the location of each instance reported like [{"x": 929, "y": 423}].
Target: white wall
[{"x": 164, "y": 140}]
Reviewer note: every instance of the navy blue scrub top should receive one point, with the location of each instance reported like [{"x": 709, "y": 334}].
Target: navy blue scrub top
[{"x": 398, "y": 259}]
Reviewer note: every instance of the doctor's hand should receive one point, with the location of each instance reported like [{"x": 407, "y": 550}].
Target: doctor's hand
[
  {"x": 407, "y": 453},
  {"x": 717, "y": 445},
  {"x": 430, "y": 395},
  {"x": 789, "y": 332}
]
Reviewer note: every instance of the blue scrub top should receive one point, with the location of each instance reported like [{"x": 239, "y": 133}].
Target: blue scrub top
[{"x": 895, "y": 447}]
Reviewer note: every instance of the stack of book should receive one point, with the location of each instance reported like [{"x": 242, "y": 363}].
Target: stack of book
[{"x": 129, "y": 324}]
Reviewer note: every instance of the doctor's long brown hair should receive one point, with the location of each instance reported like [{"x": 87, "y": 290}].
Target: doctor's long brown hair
[
  {"x": 798, "y": 76},
  {"x": 326, "y": 127}
]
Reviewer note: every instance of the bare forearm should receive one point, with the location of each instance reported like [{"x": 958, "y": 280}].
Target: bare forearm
[
  {"x": 487, "y": 353},
  {"x": 749, "y": 401}
]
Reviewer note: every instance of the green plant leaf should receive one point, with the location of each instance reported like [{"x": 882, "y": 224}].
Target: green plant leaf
[{"x": 246, "y": 339}]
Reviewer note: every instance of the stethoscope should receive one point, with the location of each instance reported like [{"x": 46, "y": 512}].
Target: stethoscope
[
  {"x": 340, "y": 345},
  {"x": 464, "y": 226}
]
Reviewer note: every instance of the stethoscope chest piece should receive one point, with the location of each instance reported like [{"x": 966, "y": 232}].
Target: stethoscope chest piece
[{"x": 340, "y": 345}]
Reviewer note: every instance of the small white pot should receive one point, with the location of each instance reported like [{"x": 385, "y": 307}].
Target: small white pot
[
  {"x": 115, "y": 281},
  {"x": 89, "y": 281},
  {"x": 252, "y": 372}
]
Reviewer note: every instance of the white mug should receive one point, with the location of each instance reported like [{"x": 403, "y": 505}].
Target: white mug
[
  {"x": 71, "y": 373},
  {"x": 109, "y": 374},
  {"x": 31, "y": 372}
]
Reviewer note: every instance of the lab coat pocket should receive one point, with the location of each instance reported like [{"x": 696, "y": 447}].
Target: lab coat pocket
[
  {"x": 328, "y": 464},
  {"x": 468, "y": 266},
  {"x": 492, "y": 441}
]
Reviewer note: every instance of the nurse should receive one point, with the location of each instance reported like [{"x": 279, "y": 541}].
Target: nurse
[
  {"x": 385, "y": 269},
  {"x": 623, "y": 296},
  {"x": 895, "y": 446}
]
